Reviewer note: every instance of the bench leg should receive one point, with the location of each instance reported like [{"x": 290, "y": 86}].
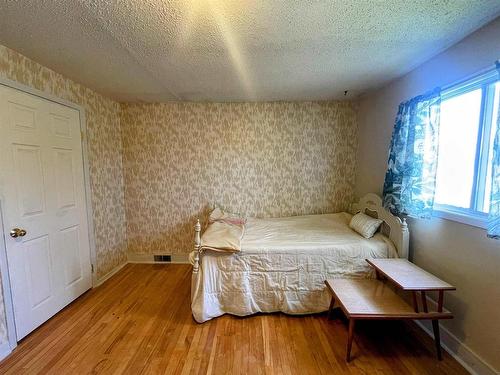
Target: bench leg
[
  {"x": 330, "y": 309},
  {"x": 349, "y": 339},
  {"x": 415, "y": 303},
  {"x": 437, "y": 338}
]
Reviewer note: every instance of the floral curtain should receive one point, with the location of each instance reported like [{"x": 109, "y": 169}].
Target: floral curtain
[
  {"x": 411, "y": 172},
  {"x": 494, "y": 214}
]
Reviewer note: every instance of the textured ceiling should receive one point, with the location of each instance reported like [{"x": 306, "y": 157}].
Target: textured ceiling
[{"x": 234, "y": 50}]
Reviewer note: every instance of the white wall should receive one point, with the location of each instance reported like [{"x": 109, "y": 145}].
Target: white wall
[{"x": 458, "y": 253}]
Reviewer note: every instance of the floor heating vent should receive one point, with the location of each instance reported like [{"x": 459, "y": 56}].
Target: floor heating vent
[{"x": 163, "y": 258}]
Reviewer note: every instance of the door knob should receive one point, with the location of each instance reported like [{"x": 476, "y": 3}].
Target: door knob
[{"x": 16, "y": 232}]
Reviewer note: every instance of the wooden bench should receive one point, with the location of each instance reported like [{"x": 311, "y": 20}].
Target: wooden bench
[{"x": 376, "y": 299}]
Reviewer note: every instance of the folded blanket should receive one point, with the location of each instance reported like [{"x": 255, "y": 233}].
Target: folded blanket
[{"x": 224, "y": 232}]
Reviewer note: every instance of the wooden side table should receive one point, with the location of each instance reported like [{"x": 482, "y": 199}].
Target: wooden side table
[{"x": 375, "y": 299}]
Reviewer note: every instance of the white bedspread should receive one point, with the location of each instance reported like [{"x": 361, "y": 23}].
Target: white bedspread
[{"x": 282, "y": 266}]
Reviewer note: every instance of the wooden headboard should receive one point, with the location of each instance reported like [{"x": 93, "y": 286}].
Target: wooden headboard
[{"x": 393, "y": 227}]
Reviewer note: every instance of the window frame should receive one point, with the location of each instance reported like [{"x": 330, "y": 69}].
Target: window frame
[{"x": 474, "y": 216}]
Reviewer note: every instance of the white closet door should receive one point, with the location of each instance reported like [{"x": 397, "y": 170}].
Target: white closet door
[{"x": 42, "y": 193}]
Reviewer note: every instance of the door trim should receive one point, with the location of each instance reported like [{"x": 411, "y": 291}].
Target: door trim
[
  {"x": 9, "y": 306},
  {"x": 7, "y": 296}
]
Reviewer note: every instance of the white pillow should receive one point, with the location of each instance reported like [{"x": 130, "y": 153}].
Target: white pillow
[
  {"x": 222, "y": 216},
  {"x": 364, "y": 224}
]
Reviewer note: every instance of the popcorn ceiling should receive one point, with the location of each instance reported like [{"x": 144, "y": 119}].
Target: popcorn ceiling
[{"x": 239, "y": 50}]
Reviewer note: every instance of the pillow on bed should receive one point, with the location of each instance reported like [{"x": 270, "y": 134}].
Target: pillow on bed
[
  {"x": 221, "y": 216},
  {"x": 365, "y": 225}
]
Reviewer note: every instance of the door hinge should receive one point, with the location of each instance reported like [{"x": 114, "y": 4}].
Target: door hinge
[{"x": 92, "y": 268}]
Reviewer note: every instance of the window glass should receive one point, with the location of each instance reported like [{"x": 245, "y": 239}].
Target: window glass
[{"x": 458, "y": 135}]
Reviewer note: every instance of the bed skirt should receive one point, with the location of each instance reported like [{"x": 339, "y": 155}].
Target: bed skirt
[{"x": 247, "y": 284}]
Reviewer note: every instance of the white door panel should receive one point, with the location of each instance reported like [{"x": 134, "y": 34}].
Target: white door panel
[
  {"x": 22, "y": 116},
  {"x": 70, "y": 241},
  {"x": 65, "y": 178},
  {"x": 42, "y": 190},
  {"x": 39, "y": 270},
  {"x": 30, "y": 184}
]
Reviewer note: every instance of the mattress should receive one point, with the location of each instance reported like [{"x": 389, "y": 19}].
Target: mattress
[{"x": 282, "y": 266}]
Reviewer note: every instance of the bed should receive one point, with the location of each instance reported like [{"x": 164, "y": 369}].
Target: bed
[{"x": 284, "y": 262}]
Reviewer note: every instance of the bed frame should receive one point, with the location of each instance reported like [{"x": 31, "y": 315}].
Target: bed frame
[{"x": 371, "y": 204}]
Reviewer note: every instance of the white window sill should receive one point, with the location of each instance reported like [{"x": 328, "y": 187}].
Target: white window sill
[{"x": 475, "y": 219}]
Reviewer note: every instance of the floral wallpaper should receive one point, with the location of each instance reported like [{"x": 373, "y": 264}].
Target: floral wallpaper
[
  {"x": 105, "y": 155},
  {"x": 259, "y": 159},
  {"x": 181, "y": 159}
]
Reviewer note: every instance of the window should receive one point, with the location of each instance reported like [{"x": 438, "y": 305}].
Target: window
[{"x": 468, "y": 117}]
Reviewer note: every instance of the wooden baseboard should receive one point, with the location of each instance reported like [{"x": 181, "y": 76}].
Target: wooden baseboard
[{"x": 109, "y": 274}]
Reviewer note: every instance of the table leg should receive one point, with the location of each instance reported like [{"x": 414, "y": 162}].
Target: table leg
[
  {"x": 330, "y": 309},
  {"x": 349, "y": 339},
  {"x": 437, "y": 338},
  {"x": 424, "y": 301},
  {"x": 440, "y": 301},
  {"x": 415, "y": 303}
]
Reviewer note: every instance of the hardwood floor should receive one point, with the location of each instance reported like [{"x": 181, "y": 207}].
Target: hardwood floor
[{"x": 139, "y": 322}]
